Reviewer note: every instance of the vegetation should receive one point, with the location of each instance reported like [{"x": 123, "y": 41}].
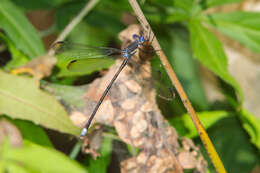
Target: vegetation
[{"x": 186, "y": 30}]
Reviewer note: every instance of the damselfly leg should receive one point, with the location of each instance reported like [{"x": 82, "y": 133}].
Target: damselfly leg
[{"x": 160, "y": 78}]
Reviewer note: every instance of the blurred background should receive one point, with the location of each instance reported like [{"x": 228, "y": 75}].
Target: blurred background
[{"x": 213, "y": 46}]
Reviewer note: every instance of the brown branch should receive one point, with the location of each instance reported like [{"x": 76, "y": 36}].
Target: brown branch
[{"x": 202, "y": 133}]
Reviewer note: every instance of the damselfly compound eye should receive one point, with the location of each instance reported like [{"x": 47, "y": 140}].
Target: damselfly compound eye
[
  {"x": 142, "y": 39},
  {"x": 135, "y": 36}
]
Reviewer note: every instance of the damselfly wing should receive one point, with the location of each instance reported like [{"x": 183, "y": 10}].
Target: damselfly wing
[
  {"x": 84, "y": 58},
  {"x": 81, "y": 56},
  {"x": 162, "y": 83}
]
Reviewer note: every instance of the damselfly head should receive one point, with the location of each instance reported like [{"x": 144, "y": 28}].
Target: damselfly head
[{"x": 140, "y": 39}]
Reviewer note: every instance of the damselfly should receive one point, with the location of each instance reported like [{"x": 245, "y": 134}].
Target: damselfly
[
  {"x": 127, "y": 53},
  {"x": 81, "y": 55}
]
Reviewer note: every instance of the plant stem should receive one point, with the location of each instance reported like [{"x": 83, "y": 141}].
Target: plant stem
[
  {"x": 76, "y": 149},
  {"x": 202, "y": 133}
]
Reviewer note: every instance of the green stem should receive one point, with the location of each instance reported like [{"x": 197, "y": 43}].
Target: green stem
[{"x": 76, "y": 149}]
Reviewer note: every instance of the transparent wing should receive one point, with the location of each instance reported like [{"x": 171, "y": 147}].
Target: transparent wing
[
  {"x": 162, "y": 83},
  {"x": 79, "y": 57},
  {"x": 160, "y": 80},
  {"x": 90, "y": 64},
  {"x": 163, "y": 88},
  {"x": 81, "y": 51}
]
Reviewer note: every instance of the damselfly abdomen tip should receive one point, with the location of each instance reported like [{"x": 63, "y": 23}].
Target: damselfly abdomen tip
[{"x": 83, "y": 132}]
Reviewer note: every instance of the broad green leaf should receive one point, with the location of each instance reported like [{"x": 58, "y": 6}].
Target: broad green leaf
[
  {"x": 185, "y": 126},
  {"x": 211, "y": 3},
  {"x": 21, "y": 98},
  {"x": 209, "y": 51},
  {"x": 241, "y": 26},
  {"x": 70, "y": 95},
  {"x": 33, "y": 133},
  {"x": 18, "y": 28},
  {"x": 15, "y": 168},
  {"x": 233, "y": 146},
  {"x": 101, "y": 163},
  {"x": 39, "y": 159},
  {"x": 252, "y": 125},
  {"x": 18, "y": 58}
]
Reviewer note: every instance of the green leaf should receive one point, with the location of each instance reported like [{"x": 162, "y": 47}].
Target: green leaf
[
  {"x": 20, "y": 31},
  {"x": 33, "y": 133},
  {"x": 185, "y": 126},
  {"x": 251, "y": 124},
  {"x": 21, "y": 98},
  {"x": 209, "y": 51},
  {"x": 15, "y": 168},
  {"x": 241, "y": 26},
  {"x": 39, "y": 159},
  {"x": 211, "y": 3},
  {"x": 70, "y": 95},
  {"x": 100, "y": 165},
  {"x": 186, "y": 5},
  {"x": 177, "y": 15},
  {"x": 18, "y": 58},
  {"x": 233, "y": 147}
]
